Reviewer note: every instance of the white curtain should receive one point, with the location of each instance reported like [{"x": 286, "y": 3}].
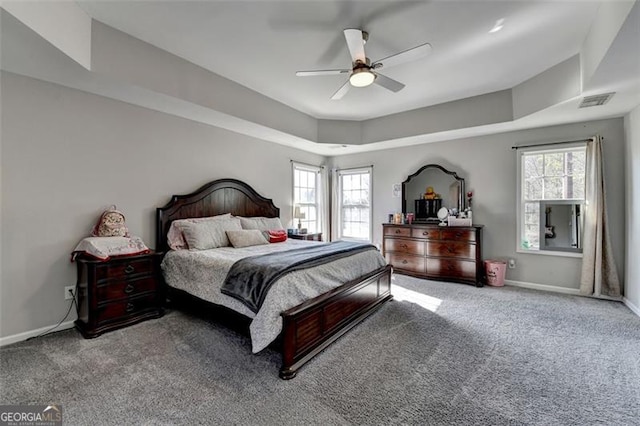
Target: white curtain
[
  {"x": 325, "y": 192},
  {"x": 599, "y": 273}
]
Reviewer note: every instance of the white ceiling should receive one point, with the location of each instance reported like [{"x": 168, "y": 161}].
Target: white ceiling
[{"x": 261, "y": 44}]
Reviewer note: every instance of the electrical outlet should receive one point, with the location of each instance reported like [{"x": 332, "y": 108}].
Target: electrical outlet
[
  {"x": 69, "y": 292},
  {"x": 512, "y": 264}
]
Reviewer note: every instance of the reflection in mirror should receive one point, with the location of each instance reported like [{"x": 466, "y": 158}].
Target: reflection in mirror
[
  {"x": 561, "y": 224},
  {"x": 429, "y": 189}
]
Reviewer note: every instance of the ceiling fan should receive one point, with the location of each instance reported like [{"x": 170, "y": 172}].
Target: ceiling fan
[{"x": 363, "y": 71}]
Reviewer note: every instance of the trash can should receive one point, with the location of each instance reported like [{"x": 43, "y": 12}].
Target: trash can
[{"x": 494, "y": 271}]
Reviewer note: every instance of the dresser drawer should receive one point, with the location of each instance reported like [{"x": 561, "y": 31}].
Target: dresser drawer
[
  {"x": 451, "y": 249},
  {"x": 458, "y": 234},
  {"x": 121, "y": 289},
  {"x": 124, "y": 268},
  {"x": 397, "y": 231},
  {"x": 432, "y": 233},
  {"x": 452, "y": 268},
  {"x": 401, "y": 245},
  {"x": 115, "y": 311},
  {"x": 406, "y": 262}
]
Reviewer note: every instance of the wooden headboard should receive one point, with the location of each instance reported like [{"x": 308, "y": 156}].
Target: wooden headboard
[{"x": 218, "y": 197}]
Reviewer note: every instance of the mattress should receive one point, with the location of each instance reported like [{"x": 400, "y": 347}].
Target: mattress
[{"x": 202, "y": 273}]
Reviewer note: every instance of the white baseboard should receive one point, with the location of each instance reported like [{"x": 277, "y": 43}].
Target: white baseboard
[
  {"x": 634, "y": 308},
  {"x": 543, "y": 287},
  {"x": 32, "y": 333}
]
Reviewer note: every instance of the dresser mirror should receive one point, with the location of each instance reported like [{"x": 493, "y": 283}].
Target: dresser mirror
[{"x": 447, "y": 191}]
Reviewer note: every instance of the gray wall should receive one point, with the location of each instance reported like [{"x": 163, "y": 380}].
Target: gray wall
[
  {"x": 489, "y": 166},
  {"x": 632, "y": 270},
  {"x": 67, "y": 155}
]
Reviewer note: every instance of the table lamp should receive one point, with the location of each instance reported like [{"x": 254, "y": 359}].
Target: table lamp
[{"x": 297, "y": 214}]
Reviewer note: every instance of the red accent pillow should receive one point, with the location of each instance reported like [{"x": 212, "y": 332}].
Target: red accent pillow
[{"x": 276, "y": 235}]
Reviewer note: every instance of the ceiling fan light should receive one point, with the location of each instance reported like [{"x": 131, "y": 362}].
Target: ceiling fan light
[{"x": 361, "y": 77}]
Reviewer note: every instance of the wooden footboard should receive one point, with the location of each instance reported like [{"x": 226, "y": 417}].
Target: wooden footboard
[{"x": 312, "y": 326}]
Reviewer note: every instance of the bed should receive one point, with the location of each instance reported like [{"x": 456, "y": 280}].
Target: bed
[{"x": 306, "y": 328}]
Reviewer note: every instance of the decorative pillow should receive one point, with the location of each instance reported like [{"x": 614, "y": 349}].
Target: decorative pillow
[
  {"x": 261, "y": 223},
  {"x": 246, "y": 238},
  {"x": 209, "y": 234},
  {"x": 110, "y": 224},
  {"x": 275, "y": 235},
  {"x": 175, "y": 239},
  {"x": 104, "y": 247}
]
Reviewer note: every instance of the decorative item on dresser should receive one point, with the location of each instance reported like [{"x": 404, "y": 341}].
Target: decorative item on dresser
[
  {"x": 307, "y": 237},
  {"x": 430, "y": 251},
  {"x": 118, "y": 292}
]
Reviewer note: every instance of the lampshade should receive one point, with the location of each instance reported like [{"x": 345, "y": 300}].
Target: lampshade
[
  {"x": 297, "y": 214},
  {"x": 361, "y": 77}
]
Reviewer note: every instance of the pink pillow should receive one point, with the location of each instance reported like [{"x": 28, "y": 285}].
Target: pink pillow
[
  {"x": 175, "y": 236},
  {"x": 276, "y": 235}
]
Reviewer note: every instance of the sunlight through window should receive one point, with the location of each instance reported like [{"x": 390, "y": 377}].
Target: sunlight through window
[{"x": 402, "y": 294}]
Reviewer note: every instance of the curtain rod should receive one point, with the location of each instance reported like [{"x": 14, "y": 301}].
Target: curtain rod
[
  {"x": 549, "y": 143},
  {"x": 305, "y": 164}
]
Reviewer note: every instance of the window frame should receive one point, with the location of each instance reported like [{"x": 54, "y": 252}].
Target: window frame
[
  {"x": 339, "y": 222},
  {"x": 520, "y": 201},
  {"x": 319, "y": 198}
]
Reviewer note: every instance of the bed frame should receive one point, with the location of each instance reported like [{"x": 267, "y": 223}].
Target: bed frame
[{"x": 309, "y": 327}]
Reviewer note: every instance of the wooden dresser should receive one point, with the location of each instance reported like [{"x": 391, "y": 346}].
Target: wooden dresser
[
  {"x": 118, "y": 292},
  {"x": 435, "y": 252}
]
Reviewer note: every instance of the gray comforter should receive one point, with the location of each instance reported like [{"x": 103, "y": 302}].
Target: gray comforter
[
  {"x": 250, "y": 279},
  {"x": 202, "y": 273}
]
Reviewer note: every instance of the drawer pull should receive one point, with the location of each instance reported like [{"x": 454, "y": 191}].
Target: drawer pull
[
  {"x": 425, "y": 233},
  {"x": 458, "y": 234},
  {"x": 404, "y": 246},
  {"x": 129, "y": 269},
  {"x": 129, "y": 289},
  {"x": 450, "y": 267},
  {"x": 397, "y": 231},
  {"x": 129, "y": 308},
  {"x": 404, "y": 262},
  {"x": 451, "y": 249}
]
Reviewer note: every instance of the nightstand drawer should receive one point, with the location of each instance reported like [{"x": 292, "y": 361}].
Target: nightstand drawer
[
  {"x": 129, "y": 288},
  {"x": 116, "y": 311},
  {"x": 124, "y": 268}
]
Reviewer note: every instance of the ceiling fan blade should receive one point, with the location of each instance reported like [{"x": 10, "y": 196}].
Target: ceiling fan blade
[
  {"x": 408, "y": 55},
  {"x": 341, "y": 91},
  {"x": 355, "y": 43},
  {"x": 321, "y": 72},
  {"x": 388, "y": 83}
]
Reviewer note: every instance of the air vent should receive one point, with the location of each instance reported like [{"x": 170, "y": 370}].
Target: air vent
[{"x": 596, "y": 100}]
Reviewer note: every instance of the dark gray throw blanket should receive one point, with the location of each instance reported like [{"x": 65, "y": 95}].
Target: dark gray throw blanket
[{"x": 250, "y": 279}]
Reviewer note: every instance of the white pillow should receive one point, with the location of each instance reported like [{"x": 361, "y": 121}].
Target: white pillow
[
  {"x": 209, "y": 234},
  {"x": 246, "y": 238},
  {"x": 261, "y": 223},
  {"x": 175, "y": 239}
]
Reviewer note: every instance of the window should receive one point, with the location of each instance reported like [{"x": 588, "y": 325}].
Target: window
[
  {"x": 553, "y": 177},
  {"x": 354, "y": 204},
  {"x": 307, "y": 196}
]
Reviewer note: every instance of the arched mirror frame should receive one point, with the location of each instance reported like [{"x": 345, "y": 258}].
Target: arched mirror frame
[{"x": 461, "y": 196}]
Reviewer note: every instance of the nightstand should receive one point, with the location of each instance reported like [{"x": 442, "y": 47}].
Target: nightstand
[
  {"x": 118, "y": 292},
  {"x": 307, "y": 237}
]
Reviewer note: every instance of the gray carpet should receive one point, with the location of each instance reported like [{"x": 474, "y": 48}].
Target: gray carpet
[{"x": 485, "y": 356}]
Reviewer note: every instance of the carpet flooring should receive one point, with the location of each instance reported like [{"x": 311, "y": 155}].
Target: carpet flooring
[{"x": 440, "y": 354}]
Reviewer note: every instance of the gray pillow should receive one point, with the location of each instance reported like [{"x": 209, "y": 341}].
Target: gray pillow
[
  {"x": 246, "y": 238},
  {"x": 209, "y": 234},
  {"x": 261, "y": 223}
]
